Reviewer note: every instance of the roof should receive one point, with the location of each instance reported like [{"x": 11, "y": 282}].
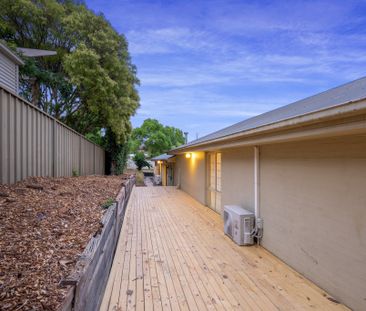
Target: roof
[
  {"x": 10, "y": 54},
  {"x": 346, "y": 93},
  {"x": 162, "y": 157},
  {"x": 35, "y": 52}
]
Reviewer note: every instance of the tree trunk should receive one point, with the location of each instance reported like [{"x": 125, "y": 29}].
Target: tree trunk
[{"x": 36, "y": 93}]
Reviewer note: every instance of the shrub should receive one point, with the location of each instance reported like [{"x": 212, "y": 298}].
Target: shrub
[
  {"x": 140, "y": 180},
  {"x": 140, "y": 161},
  {"x": 107, "y": 203}
]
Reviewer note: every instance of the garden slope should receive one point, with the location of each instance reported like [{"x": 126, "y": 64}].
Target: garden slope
[{"x": 45, "y": 223}]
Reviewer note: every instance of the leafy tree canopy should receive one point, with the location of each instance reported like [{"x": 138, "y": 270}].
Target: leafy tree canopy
[
  {"x": 91, "y": 83},
  {"x": 155, "y": 137}
]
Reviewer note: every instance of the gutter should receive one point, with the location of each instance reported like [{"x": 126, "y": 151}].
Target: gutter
[{"x": 334, "y": 112}]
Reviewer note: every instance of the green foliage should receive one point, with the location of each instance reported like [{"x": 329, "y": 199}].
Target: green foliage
[
  {"x": 75, "y": 173},
  {"x": 133, "y": 145},
  {"x": 38, "y": 24},
  {"x": 91, "y": 83},
  {"x": 117, "y": 151},
  {"x": 140, "y": 161},
  {"x": 155, "y": 137},
  {"x": 107, "y": 203},
  {"x": 96, "y": 137}
]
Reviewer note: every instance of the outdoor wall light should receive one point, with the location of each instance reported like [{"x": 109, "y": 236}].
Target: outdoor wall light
[
  {"x": 188, "y": 155},
  {"x": 159, "y": 162}
]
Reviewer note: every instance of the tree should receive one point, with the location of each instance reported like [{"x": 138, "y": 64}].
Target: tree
[
  {"x": 118, "y": 152},
  {"x": 140, "y": 161},
  {"x": 38, "y": 24},
  {"x": 91, "y": 83},
  {"x": 155, "y": 137}
]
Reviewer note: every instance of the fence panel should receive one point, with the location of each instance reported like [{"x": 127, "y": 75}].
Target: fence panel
[{"x": 32, "y": 143}]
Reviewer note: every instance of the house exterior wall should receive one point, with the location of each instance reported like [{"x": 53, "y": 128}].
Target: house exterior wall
[
  {"x": 313, "y": 202},
  {"x": 163, "y": 174},
  {"x": 190, "y": 174},
  {"x": 8, "y": 73},
  {"x": 237, "y": 164},
  {"x": 238, "y": 177},
  {"x": 157, "y": 168}
]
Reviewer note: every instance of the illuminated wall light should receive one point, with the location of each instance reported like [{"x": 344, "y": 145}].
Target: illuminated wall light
[{"x": 188, "y": 155}]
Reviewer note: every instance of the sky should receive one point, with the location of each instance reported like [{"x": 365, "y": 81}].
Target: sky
[{"x": 204, "y": 65}]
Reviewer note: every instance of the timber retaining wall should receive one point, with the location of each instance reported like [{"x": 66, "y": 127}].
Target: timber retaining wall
[{"x": 88, "y": 282}]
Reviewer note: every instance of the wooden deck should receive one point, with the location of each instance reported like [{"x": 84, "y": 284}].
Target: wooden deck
[{"x": 172, "y": 255}]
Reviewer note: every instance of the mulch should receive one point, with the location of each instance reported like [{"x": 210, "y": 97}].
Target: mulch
[{"x": 45, "y": 224}]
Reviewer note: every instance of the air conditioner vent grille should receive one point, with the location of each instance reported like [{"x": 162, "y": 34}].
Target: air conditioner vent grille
[
  {"x": 238, "y": 224},
  {"x": 228, "y": 224}
]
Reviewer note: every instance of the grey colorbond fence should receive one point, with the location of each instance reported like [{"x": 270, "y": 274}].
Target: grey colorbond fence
[{"x": 32, "y": 143}]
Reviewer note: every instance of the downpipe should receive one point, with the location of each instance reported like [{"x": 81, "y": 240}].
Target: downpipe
[{"x": 258, "y": 229}]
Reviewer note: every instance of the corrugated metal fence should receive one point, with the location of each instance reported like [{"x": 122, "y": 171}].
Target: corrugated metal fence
[{"x": 32, "y": 143}]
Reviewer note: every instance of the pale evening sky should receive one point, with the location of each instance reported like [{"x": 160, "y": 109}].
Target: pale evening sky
[{"x": 204, "y": 65}]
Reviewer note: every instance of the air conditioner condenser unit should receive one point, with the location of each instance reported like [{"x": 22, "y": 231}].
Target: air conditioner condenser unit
[{"x": 239, "y": 224}]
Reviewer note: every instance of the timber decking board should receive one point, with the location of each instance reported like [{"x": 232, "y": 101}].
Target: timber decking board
[{"x": 172, "y": 255}]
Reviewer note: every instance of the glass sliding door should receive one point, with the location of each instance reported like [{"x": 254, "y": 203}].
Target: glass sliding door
[
  {"x": 214, "y": 181},
  {"x": 170, "y": 174}
]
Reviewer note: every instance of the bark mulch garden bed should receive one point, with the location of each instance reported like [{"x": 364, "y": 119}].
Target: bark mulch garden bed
[{"x": 45, "y": 224}]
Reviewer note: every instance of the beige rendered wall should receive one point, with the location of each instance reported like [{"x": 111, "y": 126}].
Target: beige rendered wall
[
  {"x": 190, "y": 174},
  {"x": 313, "y": 202},
  {"x": 163, "y": 174},
  {"x": 238, "y": 177}
]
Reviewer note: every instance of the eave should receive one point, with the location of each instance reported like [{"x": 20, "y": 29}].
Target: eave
[{"x": 319, "y": 123}]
